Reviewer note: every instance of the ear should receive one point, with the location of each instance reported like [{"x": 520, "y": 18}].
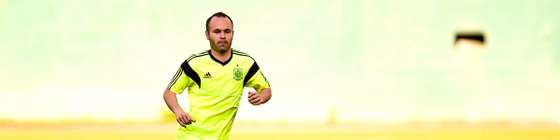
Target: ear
[{"x": 207, "y": 35}]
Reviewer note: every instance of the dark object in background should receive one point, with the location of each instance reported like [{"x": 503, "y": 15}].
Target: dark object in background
[{"x": 476, "y": 36}]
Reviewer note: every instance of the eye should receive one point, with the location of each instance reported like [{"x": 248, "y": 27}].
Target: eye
[
  {"x": 217, "y": 31},
  {"x": 227, "y": 31}
]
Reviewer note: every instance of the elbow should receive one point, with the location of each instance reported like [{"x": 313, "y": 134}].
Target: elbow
[{"x": 168, "y": 93}]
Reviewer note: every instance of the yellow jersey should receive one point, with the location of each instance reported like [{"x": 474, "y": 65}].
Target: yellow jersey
[{"x": 214, "y": 91}]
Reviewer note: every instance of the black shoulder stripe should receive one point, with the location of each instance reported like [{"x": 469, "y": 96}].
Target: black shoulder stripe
[
  {"x": 196, "y": 55},
  {"x": 239, "y": 52},
  {"x": 199, "y": 54},
  {"x": 174, "y": 79},
  {"x": 252, "y": 71},
  {"x": 244, "y": 54},
  {"x": 190, "y": 72}
]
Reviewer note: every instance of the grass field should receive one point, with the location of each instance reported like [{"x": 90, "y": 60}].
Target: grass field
[{"x": 272, "y": 132}]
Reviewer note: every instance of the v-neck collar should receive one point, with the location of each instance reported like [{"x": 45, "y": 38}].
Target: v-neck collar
[{"x": 218, "y": 61}]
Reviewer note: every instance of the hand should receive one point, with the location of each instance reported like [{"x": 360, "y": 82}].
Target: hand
[
  {"x": 255, "y": 99},
  {"x": 183, "y": 118}
]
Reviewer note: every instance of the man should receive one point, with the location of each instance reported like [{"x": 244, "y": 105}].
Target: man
[{"x": 215, "y": 80}]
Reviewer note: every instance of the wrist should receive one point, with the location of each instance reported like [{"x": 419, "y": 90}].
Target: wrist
[{"x": 177, "y": 110}]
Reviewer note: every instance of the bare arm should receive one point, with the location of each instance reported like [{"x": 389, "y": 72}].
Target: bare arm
[
  {"x": 261, "y": 98},
  {"x": 182, "y": 117}
]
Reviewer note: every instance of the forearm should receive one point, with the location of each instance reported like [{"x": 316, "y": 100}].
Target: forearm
[
  {"x": 170, "y": 99},
  {"x": 183, "y": 118},
  {"x": 266, "y": 94}
]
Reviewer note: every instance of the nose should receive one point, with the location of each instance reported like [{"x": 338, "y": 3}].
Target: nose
[{"x": 222, "y": 35}]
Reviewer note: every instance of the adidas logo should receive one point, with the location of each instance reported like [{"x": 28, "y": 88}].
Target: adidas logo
[{"x": 207, "y": 75}]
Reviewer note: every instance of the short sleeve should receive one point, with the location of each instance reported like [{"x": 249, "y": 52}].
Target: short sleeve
[
  {"x": 256, "y": 79},
  {"x": 179, "y": 82}
]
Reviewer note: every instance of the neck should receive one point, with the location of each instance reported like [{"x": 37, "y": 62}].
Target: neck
[{"x": 223, "y": 57}]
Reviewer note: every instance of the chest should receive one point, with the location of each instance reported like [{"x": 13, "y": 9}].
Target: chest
[{"x": 231, "y": 73}]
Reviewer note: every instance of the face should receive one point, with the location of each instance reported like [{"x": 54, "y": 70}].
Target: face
[{"x": 220, "y": 34}]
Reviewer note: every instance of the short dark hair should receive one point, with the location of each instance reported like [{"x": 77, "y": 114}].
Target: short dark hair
[{"x": 218, "y": 14}]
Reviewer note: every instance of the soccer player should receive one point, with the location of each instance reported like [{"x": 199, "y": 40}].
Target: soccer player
[{"x": 215, "y": 80}]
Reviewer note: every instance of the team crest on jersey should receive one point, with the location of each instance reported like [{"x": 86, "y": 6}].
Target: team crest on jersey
[{"x": 237, "y": 73}]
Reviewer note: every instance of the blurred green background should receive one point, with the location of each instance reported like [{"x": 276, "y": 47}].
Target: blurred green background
[{"x": 333, "y": 62}]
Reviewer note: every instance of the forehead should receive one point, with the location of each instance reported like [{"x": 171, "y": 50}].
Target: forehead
[{"x": 220, "y": 22}]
